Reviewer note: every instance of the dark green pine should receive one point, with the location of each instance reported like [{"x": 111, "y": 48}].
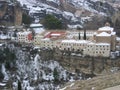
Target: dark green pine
[
  {"x": 84, "y": 34},
  {"x": 79, "y": 36}
]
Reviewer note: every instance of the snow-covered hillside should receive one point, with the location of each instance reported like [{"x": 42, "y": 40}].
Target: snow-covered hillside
[
  {"x": 32, "y": 71},
  {"x": 61, "y": 9}
]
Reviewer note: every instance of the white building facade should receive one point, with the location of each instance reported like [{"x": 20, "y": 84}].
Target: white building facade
[{"x": 25, "y": 36}]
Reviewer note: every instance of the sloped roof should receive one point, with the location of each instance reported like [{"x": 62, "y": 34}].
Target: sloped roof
[
  {"x": 75, "y": 41},
  {"x": 106, "y": 28},
  {"x": 24, "y": 33},
  {"x": 103, "y": 34},
  {"x": 36, "y": 25},
  {"x": 99, "y": 44}
]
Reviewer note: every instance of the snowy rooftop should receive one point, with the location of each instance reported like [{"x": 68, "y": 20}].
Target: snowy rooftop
[
  {"x": 1, "y": 45},
  {"x": 74, "y": 26},
  {"x": 113, "y": 33},
  {"x": 106, "y": 28},
  {"x": 46, "y": 39},
  {"x": 84, "y": 42},
  {"x": 24, "y": 33},
  {"x": 3, "y": 37},
  {"x": 13, "y": 27},
  {"x": 104, "y": 34},
  {"x": 103, "y": 44},
  {"x": 2, "y": 84},
  {"x": 55, "y": 34},
  {"x": 92, "y": 43},
  {"x": 39, "y": 30},
  {"x": 36, "y": 25},
  {"x": 118, "y": 38},
  {"x": 75, "y": 41}
]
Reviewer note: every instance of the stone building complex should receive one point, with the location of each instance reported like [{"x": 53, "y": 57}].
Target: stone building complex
[{"x": 99, "y": 43}]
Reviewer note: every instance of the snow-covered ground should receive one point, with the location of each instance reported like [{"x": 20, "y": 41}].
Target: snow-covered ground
[
  {"x": 4, "y": 73},
  {"x": 2, "y": 84},
  {"x": 35, "y": 6},
  {"x": 4, "y": 36}
]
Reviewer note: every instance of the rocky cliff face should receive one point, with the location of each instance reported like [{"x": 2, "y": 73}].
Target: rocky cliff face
[{"x": 10, "y": 13}]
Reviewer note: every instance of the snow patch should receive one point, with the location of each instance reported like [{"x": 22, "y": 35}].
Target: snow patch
[
  {"x": 4, "y": 73},
  {"x": 2, "y": 84}
]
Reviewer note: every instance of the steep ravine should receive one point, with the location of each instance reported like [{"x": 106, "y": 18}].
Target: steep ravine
[{"x": 34, "y": 73}]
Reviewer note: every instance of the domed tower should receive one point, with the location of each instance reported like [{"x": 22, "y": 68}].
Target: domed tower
[
  {"x": 106, "y": 34},
  {"x": 107, "y": 24}
]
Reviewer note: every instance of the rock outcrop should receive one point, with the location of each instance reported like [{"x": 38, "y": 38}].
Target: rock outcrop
[{"x": 10, "y": 13}]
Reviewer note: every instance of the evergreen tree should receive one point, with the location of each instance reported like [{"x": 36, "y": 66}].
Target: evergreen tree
[
  {"x": 26, "y": 19},
  {"x": 6, "y": 50},
  {"x": 51, "y": 22},
  {"x": 56, "y": 75},
  {"x": 19, "y": 85},
  {"x": 1, "y": 74},
  {"x": 33, "y": 34},
  {"x": 84, "y": 34},
  {"x": 15, "y": 33},
  {"x": 100, "y": 3},
  {"x": 79, "y": 36},
  {"x": 2, "y": 56}
]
